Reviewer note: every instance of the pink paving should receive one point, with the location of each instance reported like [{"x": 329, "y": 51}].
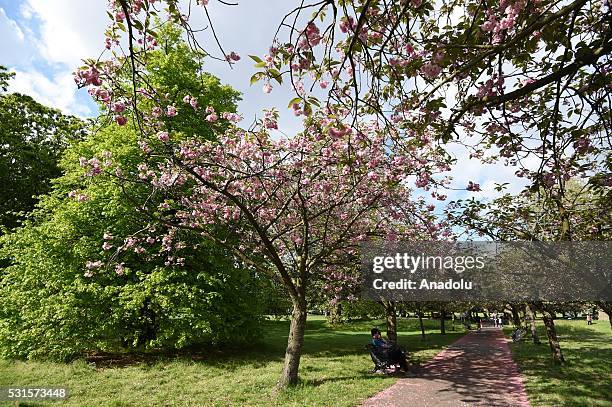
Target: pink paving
[{"x": 476, "y": 370}]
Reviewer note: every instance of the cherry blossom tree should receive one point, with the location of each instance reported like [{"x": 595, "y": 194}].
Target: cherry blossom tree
[
  {"x": 525, "y": 83},
  {"x": 536, "y": 216},
  {"x": 288, "y": 207},
  {"x": 510, "y": 80}
]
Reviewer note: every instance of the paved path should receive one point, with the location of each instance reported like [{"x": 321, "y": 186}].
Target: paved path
[{"x": 476, "y": 370}]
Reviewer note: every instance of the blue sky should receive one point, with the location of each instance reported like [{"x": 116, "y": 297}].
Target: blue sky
[
  {"x": 43, "y": 41},
  {"x": 35, "y": 47}
]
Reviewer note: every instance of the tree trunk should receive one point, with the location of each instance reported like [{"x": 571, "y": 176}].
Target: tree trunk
[
  {"x": 606, "y": 306},
  {"x": 336, "y": 313},
  {"x": 525, "y": 316},
  {"x": 553, "y": 341},
  {"x": 516, "y": 318},
  {"x": 391, "y": 321},
  {"x": 532, "y": 320},
  {"x": 442, "y": 321},
  {"x": 294, "y": 345},
  {"x": 421, "y": 324}
]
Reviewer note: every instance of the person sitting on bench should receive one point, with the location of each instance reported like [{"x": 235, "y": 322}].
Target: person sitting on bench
[{"x": 391, "y": 350}]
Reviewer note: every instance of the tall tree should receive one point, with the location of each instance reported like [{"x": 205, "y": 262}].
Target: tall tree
[
  {"x": 32, "y": 138},
  {"x": 511, "y": 67},
  {"x": 292, "y": 205},
  {"x": 202, "y": 294}
]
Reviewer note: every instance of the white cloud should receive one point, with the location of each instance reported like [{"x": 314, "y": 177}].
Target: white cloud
[
  {"x": 70, "y": 30},
  {"x": 59, "y": 91},
  {"x": 13, "y": 45},
  {"x": 26, "y": 11},
  {"x": 47, "y": 43}
]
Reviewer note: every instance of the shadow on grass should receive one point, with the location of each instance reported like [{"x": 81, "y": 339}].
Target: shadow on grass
[
  {"x": 321, "y": 382},
  {"x": 584, "y": 380},
  {"x": 321, "y": 341}
]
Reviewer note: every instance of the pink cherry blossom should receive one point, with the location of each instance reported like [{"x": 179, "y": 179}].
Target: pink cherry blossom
[
  {"x": 120, "y": 269},
  {"x": 233, "y": 56},
  {"x": 232, "y": 117},
  {"x": 431, "y": 70},
  {"x": 171, "y": 111},
  {"x": 117, "y": 107},
  {"x": 90, "y": 265},
  {"x": 156, "y": 111}
]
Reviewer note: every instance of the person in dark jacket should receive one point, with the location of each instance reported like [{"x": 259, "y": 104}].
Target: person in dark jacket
[{"x": 390, "y": 349}]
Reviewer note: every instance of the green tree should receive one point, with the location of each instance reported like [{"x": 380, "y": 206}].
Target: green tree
[
  {"x": 571, "y": 210},
  {"x": 32, "y": 137},
  {"x": 54, "y": 299}
]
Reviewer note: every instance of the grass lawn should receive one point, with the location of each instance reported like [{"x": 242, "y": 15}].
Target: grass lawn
[
  {"x": 586, "y": 378},
  {"x": 334, "y": 371}
]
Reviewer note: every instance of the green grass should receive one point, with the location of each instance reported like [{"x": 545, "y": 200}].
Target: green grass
[
  {"x": 334, "y": 371},
  {"x": 586, "y": 378}
]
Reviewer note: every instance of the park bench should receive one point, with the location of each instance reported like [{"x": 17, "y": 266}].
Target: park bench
[{"x": 381, "y": 360}]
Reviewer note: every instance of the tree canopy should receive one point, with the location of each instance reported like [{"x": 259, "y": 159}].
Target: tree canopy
[
  {"x": 32, "y": 139},
  {"x": 56, "y": 301}
]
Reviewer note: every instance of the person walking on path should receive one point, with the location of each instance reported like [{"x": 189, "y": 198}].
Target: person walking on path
[{"x": 589, "y": 319}]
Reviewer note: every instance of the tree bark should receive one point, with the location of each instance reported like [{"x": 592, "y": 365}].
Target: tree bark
[
  {"x": 336, "y": 313},
  {"x": 391, "y": 320},
  {"x": 606, "y": 306},
  {"x": 421, "y": 324},
  {"x": 553, "y": 341},
  {"x": 294, "y": 345},
  {"x": 516, "y": 317},
  {"x": 532, "y": 319},
  {"x": 525, "y": 316},
  {"x": 534, "y": 331}
]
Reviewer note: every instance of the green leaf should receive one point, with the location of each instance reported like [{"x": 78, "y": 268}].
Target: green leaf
[
  {"x": 255, "y": 78},
  {"x": 294, "y": 101},
  {"x": 314, "y": 101},
  {"x": 255, "y": 58},
  {"x": 307, "y": 109}
]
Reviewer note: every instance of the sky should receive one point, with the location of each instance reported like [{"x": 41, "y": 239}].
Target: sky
[{"x": 43, "y": 41}]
